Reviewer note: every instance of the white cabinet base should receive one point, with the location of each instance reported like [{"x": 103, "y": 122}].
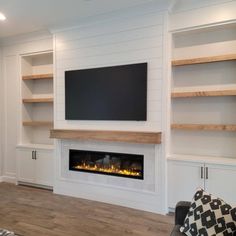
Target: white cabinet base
[
  {"x": 37, "y": 171},
  {"x": 185, "y": 176},
  {"x": 221, "y": 182},
  {"x": 183, "y": 180}
]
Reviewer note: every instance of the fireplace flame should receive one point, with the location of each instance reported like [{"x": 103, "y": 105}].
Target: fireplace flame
[{"x": 111, "y": 169}]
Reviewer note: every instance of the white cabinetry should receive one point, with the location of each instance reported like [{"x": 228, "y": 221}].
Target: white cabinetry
[
  {"x": 185, "y": 176},
  {"x": 26, "y": 166},
  {"x": 221, "y": 182},
  {"x": 183, "y": 179},
  {"x": 35, "y": 166}
]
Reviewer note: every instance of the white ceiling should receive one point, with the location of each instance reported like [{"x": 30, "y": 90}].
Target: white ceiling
[{"x": 25, "y": 16}]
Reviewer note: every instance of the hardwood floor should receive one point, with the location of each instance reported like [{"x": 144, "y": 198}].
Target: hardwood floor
[{"x": 36, "y": 212}]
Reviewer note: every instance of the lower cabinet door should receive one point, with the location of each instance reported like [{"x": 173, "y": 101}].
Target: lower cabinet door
[
  {"x": 44, "y": 167},
  {"x": 25, "y": 166},
  {"x": 183, "y": 179},
  {"x": 221, "y": 182}
]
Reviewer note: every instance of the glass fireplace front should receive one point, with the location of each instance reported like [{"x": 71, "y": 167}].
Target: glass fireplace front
[{"x": 108, "y": 163}]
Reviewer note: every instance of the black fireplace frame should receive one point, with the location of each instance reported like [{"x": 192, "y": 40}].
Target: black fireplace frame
[{"x": 105, "y": 173}]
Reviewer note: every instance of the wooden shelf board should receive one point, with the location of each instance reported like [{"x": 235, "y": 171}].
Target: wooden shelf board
[
  {"x": 113, "y": 136},
  {"x": 207, "y": 127},
  {"x": 37, "y": 123},
  {"x": 201, "y": 60},
  {"x": 39, "y": 76},
  {"x": 204, "y": 93},
  {"x": 37, "y": 100}
]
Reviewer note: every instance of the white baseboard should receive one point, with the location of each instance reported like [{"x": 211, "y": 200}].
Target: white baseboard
[{"x": 8, "y": 179}]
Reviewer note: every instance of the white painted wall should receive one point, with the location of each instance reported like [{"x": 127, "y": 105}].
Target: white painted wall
[{"x": 11, "y": 108}]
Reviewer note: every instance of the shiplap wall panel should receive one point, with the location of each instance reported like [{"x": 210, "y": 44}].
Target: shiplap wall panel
[
  {"x": 113, "y": 27},
  {"x": 137, "y": 34},
  {"x": 118, "y": 42}
]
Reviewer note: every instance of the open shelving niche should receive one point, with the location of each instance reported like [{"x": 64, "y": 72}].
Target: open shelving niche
[
  {"x": 37, "y": 100},
  {"x": 203, "y": 104}
]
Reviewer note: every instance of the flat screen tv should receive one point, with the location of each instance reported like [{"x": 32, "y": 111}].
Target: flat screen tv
[{"x": 108, "y": 93}]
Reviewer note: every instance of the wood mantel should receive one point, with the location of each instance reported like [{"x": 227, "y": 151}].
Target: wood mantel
[{"x": 112, "y": 136}]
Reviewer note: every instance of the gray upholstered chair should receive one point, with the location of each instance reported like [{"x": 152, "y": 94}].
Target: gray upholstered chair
[{"x": 181, "y": 210}]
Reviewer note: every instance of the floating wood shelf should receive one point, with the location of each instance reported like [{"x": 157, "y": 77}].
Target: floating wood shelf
[
  {"x": 202, "y": 93},
  {"x": 39, "y": 76},
  {"x": 202, "y": 60},
  {"x": 209, "y": 127},
  {"x": 37, "y": 123},
  {"x": 37, "y": 100},
  {"x": 113, "y": 136}
]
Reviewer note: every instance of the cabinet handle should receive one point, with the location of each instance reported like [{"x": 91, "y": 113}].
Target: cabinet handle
[
  {"x": 35, "y": 156},
  {"x": 206, "y": 172},
  {"x": 201, "y": 172}
]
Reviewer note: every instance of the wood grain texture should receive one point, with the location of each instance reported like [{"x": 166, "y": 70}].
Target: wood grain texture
[
  {"x": 37, "y": 100},
  {"x": 36, "y": 212},
  {"x": 113, "y": 136},
  {"x": 38, "y": 123},
  {"x": 201, "y": 60},
  {"x": 202, "y": 93},
  {"x": 210, "y": 127},
  {"x": 39, "y": 76}
]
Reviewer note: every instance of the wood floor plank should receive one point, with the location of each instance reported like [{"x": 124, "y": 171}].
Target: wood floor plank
[{"x": 36, "y": 212}]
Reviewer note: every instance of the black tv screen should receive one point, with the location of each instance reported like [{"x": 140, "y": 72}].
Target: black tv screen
[{"x": 108, "y": 93}]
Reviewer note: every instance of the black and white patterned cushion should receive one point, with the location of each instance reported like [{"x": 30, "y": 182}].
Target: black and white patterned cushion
[
  {"x": 4, "y": 232},
  {"x": 209, "y": 216}
]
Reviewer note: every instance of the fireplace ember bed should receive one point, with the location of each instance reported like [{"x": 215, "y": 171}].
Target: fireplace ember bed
[{"x": 107, "y": 163}]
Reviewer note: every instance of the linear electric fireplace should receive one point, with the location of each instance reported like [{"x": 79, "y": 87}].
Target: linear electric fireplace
[{"x": 108, "y": 163}]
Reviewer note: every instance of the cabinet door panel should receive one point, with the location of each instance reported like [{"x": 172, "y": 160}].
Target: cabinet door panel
[
  {"x": 183, "y": 179},
  {"x": 221, "y": 182},
  {"x": 44, "y": 167},
  {"x": 25, "y": 166}
]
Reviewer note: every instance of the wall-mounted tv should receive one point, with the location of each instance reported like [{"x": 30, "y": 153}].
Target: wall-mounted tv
[{"x": 107, "y": 93}]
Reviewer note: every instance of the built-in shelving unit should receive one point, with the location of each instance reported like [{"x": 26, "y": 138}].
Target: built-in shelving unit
[
  {"x": 37, "y": 98},
  {"x": 203, "y": 92},
  {"x": 196, "y": 92},
  {"x": 203, "y": 112}
]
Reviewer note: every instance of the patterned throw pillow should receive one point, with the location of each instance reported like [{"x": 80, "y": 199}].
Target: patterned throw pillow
[
  {"x": 4, "y": 232},
  {"x": 209, "y": 216}
]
